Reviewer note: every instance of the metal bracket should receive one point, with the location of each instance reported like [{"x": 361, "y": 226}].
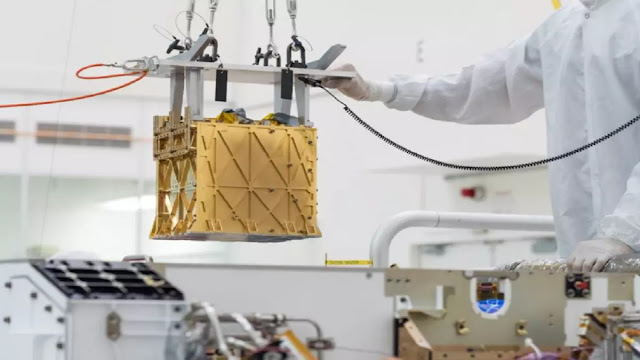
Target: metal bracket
[
  {"x": 113, "y": 326},
  {"x": 197, "y": 49}
]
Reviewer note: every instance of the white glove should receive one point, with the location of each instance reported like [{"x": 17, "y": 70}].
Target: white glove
[
  {"x": 360, "y": 89},
  {"x": 592, "y": 255}
]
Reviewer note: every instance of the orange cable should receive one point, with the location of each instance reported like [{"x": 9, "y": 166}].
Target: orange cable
[{"x": 79, "y": 76}]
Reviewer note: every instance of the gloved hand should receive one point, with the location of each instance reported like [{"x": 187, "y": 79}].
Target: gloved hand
[
  {"x": 356, "y": 88},
  {"x": 592, "y": 255}
]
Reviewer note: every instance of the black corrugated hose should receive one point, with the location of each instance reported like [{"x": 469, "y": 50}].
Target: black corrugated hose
[{"x": 347, "y": 109}]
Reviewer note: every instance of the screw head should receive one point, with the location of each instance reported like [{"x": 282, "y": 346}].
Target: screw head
[
  {"x": 7, "y": 285},
  {"x": 48, "y": 308},
  {"x": 34, "y": 295},
  {"x": 59, "y": 346},
  {"x": 177, "y": 309},
  {"x": 7, "y": 320},
  {"x": 60, "y": 320},
  {"x": 571, "y": 293}
]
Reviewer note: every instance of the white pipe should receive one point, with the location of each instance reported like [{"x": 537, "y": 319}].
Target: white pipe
[{"x": 381, "y": 242}]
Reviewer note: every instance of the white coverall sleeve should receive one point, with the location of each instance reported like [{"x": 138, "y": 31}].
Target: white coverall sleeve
[
  {"x": 624, "y": 223},
  {"x": 502, "y": 88}
]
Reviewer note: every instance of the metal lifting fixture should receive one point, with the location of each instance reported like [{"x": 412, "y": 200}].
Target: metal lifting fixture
[
  {"x": 272, "y": 48},
  {"x": 296, "y": 45}
]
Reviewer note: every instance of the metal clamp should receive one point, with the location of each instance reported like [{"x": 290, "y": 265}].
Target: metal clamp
[
  {"x": 137, "y": 65},
  {"x": 296, "y": 46}
]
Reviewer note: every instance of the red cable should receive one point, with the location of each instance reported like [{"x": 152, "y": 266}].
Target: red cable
[{"x": 79, "y": 76}]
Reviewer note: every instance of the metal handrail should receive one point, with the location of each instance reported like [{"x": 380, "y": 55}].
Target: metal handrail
[{"x": 381, "y": 242}]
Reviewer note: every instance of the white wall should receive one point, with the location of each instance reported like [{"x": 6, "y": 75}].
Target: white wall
[{"x": 382, "y": 39}]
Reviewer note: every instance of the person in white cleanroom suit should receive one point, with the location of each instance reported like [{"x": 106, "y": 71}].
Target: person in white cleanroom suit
[{"x": 583, "y": 66}]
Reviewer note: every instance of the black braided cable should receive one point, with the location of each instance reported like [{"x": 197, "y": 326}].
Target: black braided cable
[{"x": 416, "y": 155}]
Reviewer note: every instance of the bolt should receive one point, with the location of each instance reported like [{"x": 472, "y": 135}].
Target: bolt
[
  {"x": 7, "y": 320},
  {"x": 272, "y": 230},
  {"x": 48, "y": 308},
  {"x": 177, "y": 309},
  {"x": 271, "y": 131},
  {"x": 310, "y": 170},
  {"x": 289, "y": 165},
  {"x": 177, "y": 326},
  {"x": 403, "y": 300},
  {"x": 571, "y": 293},
  {"x": 272, "y": 190},
  {"x": 7, "y": 285},
  {"x": 60, "y": 320},
  {"x": 59, "y": 346},
  {"x": 586, "y": 292},
  {"x": 34, "y": 295},
  {"x": 310, "y": 143},
  {"x": 571, "y": 278}
]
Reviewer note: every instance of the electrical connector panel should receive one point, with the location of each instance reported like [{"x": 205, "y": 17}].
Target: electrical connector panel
[{"x": 234, "y": 182}]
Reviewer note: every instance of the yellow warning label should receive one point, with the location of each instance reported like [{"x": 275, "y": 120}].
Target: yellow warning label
[
  {"x": 348, "y": 262},
  {"x": 328, "y": 262},
  {"x": 556, "y": 4}
]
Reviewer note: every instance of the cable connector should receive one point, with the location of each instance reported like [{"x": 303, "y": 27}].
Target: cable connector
[{"x": 309, "y": 81}]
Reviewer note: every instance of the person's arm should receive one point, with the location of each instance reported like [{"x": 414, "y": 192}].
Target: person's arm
[{"x": 504, "y": 87}]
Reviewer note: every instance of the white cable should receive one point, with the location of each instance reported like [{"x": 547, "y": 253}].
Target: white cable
[
  {"x": 184, "y": 12},
  {"x": 157, "y": 28},
  {"x": 307, "y": 41},
  {"x": 528, "y": 342}
]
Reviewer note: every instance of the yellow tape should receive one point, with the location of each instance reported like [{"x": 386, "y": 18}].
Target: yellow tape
[
  {"x": 348, "y": 262},
  {"x": 556, "y": 4},
  {"x": 293, "y": 343}
]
